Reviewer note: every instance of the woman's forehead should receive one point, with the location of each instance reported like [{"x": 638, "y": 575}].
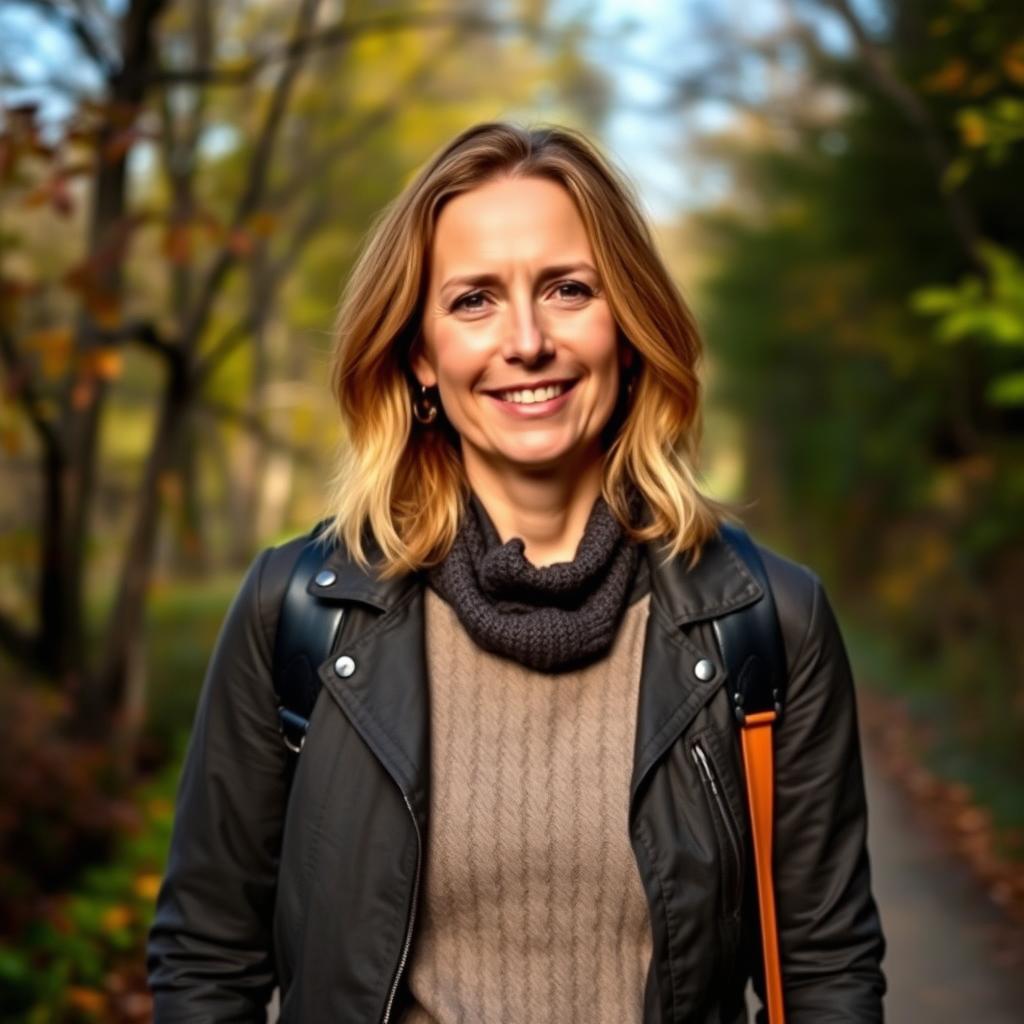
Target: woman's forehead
[{"x": 519, "y": 220}]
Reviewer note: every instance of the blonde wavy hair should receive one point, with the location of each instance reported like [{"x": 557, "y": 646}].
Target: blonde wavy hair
[{"x": 402, "y": 485}]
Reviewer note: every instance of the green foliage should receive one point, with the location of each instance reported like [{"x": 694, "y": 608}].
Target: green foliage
[{"x": 990, "y": 309}]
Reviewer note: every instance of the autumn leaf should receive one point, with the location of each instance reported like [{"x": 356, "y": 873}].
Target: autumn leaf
[
  {"x": 86, "y": 1000},
  {"x": 178, "y": 244},
  {"x": 83, "y": 392},
  {"x": 116, "y": 918},
  {"x": 240, "y": 242},
  {"x": 262, "y": 224},
  {"x": 949, "y": 78},
  {"x": 54, "y": 348},
  {"x": 1013, "y": 62},
  {"x": 146, "y": 887},
  {"x": 104, "y": 362},
  {"x": 11, "y": 439},
  {"x": 973, "y": 129}
]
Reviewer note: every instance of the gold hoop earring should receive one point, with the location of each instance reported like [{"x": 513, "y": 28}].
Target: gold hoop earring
[{"x": 422, "y": 408}]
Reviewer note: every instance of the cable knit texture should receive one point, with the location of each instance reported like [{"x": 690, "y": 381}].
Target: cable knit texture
[
  {"x": 532, "y": 909},
  {"x": 550, "y": 618}
]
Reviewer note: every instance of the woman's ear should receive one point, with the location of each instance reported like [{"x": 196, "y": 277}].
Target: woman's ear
[{"x": 421, "y": 365}]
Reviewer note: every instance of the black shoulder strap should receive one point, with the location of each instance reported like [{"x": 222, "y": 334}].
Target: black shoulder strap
[
  {"x": 305, "y": 634},
  {"x": 750, "y": 639}
]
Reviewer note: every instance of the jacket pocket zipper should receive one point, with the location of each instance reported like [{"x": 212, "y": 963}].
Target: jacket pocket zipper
[
  {"x": 412, "y": 915},
  {"x": 707, "y": 774}
]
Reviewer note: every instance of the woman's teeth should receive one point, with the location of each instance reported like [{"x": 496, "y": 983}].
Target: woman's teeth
[{"x": 536, "y": 395}]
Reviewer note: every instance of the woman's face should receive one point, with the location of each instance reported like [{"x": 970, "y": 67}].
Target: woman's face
[{"x": 514, "y": 303}]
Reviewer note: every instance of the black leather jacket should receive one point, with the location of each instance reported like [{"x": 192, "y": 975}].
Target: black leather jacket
[{"x": 322, "y": 899}]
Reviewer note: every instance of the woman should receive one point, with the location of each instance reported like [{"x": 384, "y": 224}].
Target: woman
[{"x": 521, "y": 796}]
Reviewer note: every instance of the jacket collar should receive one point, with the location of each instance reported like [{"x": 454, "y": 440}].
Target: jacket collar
[
  {"x": 388, "y": 705},
  {"x": 717, "y": 584}
]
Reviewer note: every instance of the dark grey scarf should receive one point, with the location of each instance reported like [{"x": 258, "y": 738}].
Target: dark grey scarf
[{"x": 553, "y": 617}]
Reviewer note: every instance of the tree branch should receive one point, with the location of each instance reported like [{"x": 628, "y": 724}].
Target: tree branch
[
  {"x": 372, "y": 120},
  {"x": 336, "y": 35},
  {"x": 915, "y": 111},
  {"x": 258, "y": 170},
  {"x": 255, "y": 426}
]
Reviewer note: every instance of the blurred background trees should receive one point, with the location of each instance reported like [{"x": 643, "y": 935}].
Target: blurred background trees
[{"x": 184, "y": 187}]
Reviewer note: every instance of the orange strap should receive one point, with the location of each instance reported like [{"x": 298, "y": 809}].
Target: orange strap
[{"x": 756, "y": 734}]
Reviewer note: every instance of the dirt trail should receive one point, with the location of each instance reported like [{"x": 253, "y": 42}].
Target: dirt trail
[{"x": 951, "y": 955}]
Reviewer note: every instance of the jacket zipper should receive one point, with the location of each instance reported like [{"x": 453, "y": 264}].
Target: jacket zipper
[
  {"x": 705, "y": 769},
  {"x": 412, "y": 915}
]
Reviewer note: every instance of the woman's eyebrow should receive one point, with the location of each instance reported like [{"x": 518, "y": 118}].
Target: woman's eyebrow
[{"x": 485, "y": 280}]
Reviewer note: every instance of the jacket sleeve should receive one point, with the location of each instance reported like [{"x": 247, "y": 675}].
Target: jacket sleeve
[
  {"x": 209, "y": 955},
  {"x": 830, "y": 936}
]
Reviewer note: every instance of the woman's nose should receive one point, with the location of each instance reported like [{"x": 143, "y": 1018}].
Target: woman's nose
[{"x": 525, "y": 337}]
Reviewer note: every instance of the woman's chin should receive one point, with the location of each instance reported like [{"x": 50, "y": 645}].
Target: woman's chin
[{"x": 542, "y": 456}]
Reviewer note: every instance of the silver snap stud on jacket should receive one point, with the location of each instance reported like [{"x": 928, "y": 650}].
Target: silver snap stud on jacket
[
  {"x": 325, "y": 578},
  {"x": 704, "y": 670},
  {"x": 344, "y": 666}
]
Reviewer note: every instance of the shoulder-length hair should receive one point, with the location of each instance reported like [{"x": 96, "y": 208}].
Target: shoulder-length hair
[{"x": 402, "y": 485}]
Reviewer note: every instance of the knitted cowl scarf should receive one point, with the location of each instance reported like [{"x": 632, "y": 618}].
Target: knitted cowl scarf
[{"x": 550, "y": 618}]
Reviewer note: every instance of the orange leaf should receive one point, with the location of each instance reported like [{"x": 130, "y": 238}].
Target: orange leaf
[
  {"x": 949, "y": 78},
  {"x": 54, "y": 347},
  {"x": 240, "y": 242},
  {"x": 60, "y": 196},
  {"x": 1013, "y": 62},
  {"x": 83, "y": 392},
  {"x": 55, "y": 337},
  {"x": 262, "y": 224},
  {"x": 119, "y": 144},
  {"x": 87, "y": 1000},
  {"x": 147, "y": 886},
  {"x": 117, "y": 917},
  {"x": 105, "y": 308},
  {"x": 105, "y": 363},
  {"x": 178, "y": 244},
  {"x": 10, "y": 439}
]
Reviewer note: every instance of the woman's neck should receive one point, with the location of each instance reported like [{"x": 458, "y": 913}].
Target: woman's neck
[{"x": 548, "y": 512}]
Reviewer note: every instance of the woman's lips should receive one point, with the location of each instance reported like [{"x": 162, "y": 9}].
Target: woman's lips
[{"x": 532, "y": 410}]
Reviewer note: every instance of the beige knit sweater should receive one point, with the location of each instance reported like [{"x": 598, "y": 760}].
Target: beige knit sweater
[{"x": 532, "y": 907}]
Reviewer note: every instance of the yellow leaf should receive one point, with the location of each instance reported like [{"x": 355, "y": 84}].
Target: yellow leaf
[
  {"x": 54, "y": 348},
  {"x": 86, "y": 1000},
  {"x": 973, "y": 129},
  {"x": 117, "y": 917},
  {"x": 147, "y": 886},
  {"x": 10, "y": 440},
  {"x": 54, "y": 337}
]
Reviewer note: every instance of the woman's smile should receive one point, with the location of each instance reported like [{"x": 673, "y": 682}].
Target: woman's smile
[{"x": 535, "y": 402}]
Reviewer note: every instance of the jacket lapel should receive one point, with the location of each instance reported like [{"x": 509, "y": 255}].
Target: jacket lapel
[
  {"x": 671, "y": 691},
  {"x": 385, "y": 694}
]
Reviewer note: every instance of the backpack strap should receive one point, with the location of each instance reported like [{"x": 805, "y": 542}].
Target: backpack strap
[
  {"x": 305, "y": 635},
  {"x": 750, "y": 642}
]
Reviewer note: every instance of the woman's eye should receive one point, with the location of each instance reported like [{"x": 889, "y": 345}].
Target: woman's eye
[
  {"x": 580, "y": 290},
  {"x": 468, "y": 301}
]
